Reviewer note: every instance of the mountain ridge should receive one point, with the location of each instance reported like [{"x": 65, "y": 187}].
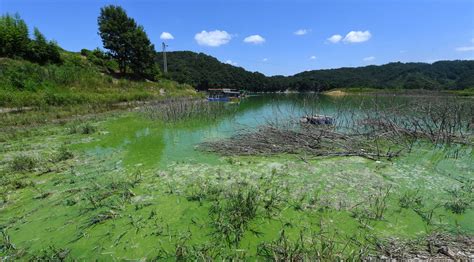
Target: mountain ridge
[{"x": 204, "y": 71}]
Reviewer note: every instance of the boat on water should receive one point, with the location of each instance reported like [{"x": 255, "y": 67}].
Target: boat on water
[
  {"x": 317, "y": 120},
  {"x": 224, "y": 95}
]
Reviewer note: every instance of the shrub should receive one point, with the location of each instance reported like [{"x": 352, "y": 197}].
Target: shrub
[
  {"x": 88, "y": 129},
  {"x": 63, "y": 154},
  {"x": 84, "y": 129},
  {"x": 23, "y": 163}
]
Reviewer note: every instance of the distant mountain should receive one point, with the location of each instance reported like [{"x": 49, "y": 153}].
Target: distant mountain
[
  {"x": 204, "y": 71},
  {"x": 440, "y": 75}
]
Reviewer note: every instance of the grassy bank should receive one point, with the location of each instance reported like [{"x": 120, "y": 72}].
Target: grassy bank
[{"x": 80, "y": 84}]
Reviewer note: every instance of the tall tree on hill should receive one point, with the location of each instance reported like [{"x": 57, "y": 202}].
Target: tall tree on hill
[{"x": 126, "y": 41}]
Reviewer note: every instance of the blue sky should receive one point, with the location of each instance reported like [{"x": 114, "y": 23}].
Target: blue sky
[{"x": 261, "y": 35}]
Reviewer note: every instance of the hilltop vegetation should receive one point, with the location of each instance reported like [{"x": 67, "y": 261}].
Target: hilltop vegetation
[
  {"x": 37, "y": 75},
  {"x": 204, "y": 71},
  {"x": 15, "y": 42}
]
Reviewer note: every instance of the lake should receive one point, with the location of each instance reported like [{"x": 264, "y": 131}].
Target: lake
[{"x": 134, "y": 186}]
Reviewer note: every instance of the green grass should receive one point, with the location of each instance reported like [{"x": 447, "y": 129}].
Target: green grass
[
  {"x": 79, "y": 85},
  {"x": 464, "y": 92}
]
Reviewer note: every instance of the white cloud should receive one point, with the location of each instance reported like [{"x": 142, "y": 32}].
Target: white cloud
[
  {"x": 335, "y": 38},
  {"x": 230, "y": 62},
  {"x": 313, "y": 57},
  {"x": 357, "y": 36},
  {"x": 265, "y": 59},
  {"x": 369, "y": 58},
  {"x": 301, "y": 31},
  {"x": 254, "y": 39},
  {"x": 465, "y": 48},
  {"x": 212, "y": 38},
  {"x": 166, "y": 36}
]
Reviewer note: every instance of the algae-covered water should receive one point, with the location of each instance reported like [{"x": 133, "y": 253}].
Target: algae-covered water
[{"x": 135, "y": 187}]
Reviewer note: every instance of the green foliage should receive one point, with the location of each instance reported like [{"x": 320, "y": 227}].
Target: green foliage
[
  {"x": 41, "y": 51},
  {"x": 205, "y": 72},
  {"x": 13, "y": 36},
  {"x": 63, "y": 154},
  {"x": 15, "y": 43},
  {"x": 76, "y": 81},
  {"x": 461, "y": 198},
  {"x": 100, "y": 59},
  {"x": 51, "y": 254},
  {"x": 85, "y": 129},
  {"x": 23, "y": 163},
  {"x": 127, "y": 42},
  {"x": 411, "y": 199},
  {"x": 232, "y": 215}
]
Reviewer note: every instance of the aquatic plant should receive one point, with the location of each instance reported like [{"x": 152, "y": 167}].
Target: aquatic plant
[
  {"x": 427, "y": 213},
  {"x": 373, "y": 207},
  {"x": 6, "y": 245},
  {"x": 231, "y": 215},
  {"x": 317, "y": 246},
  {"x": 179, "y": 110},
  {"x": 378, "y": 202},
  {"x": 411, "y": 199}
]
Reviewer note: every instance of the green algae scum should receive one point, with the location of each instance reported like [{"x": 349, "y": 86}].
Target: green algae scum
[{"x": 135, "y": 186}]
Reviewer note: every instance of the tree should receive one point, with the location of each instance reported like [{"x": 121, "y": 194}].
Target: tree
[
  {"x": 13, "y": 36},
  {"x": 126, "y": 41},
  {"x": 41, "y": 51},
  {"x": 142, "y": 60}
]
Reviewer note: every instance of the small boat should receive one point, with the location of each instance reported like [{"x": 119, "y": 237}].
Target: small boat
[
  {"x": 224, "y": 95},
  {"x": 317, "y": 120},
  {"x": 218, "y": 99}
]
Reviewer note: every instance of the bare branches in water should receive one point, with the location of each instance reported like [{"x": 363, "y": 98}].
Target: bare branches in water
[
  {"x": 176, "y": 110},
  {"x": 383, "y": 131}
]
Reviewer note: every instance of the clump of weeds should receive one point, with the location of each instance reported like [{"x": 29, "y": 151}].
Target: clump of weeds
[
  {"x": 63, "y": 154},
  {"x": 23, "y": 163},
  {"x": 313, "y": 246},
  {"x": 6, "y": 244},
  {"x": 378, "y": 202},
  {"x": 461, "y": 198},
  {"x": 51, "y": 254},
  {"x": 232, "y": 213},
  {"x": 411, "y": 199},
  {"x": 375, "y": 206},
  {"x": 85, "y": 129},
  {"x": 427, "y": 213}
]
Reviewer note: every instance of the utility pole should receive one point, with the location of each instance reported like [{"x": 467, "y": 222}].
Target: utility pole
[{"x": 165, "y": 63}]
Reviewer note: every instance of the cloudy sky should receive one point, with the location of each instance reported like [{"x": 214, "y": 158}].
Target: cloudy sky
[{"x": 275, "y": 37}]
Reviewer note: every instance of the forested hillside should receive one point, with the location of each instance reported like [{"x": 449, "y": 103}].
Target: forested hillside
[{"x": 203, "y": 71}]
